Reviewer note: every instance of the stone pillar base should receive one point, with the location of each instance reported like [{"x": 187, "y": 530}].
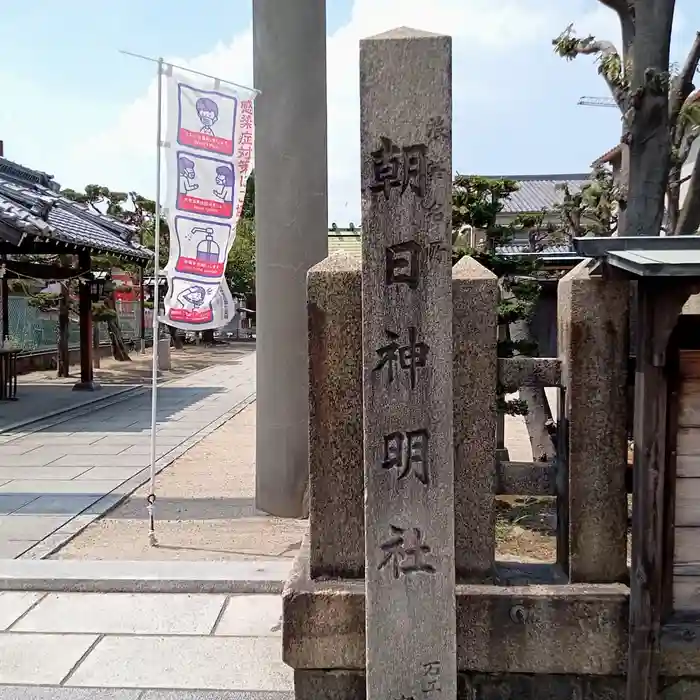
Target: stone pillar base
[
  {"x": 86, "y": 386},
  {"x": 502, "y": 454},
  {"x": 350, "y": 685},
  {"x": 329, "y": 685}
]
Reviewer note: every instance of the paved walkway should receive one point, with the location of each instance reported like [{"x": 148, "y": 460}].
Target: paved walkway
[
  {"x": 205, "y": 510},
  {"x": 61, "y": 476},
  {"x": 41, "y": 394},
  {"x": 38, "y": 400},
  {"x": 76, "y": 646}
]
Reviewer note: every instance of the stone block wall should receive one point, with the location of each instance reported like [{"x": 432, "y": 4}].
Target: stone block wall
[{"x": 523, "y": 631}]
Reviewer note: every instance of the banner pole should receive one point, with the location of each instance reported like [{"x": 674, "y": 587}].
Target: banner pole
[
  {"x": 151, "y": 500},
  {"x": 190, "y": 70}
]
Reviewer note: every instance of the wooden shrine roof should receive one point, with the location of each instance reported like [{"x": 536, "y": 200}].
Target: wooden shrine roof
[
  {"x": 642, "y": 256},
  {"x": 32, "y": 213},
  {"x": 657, "y": 263}
]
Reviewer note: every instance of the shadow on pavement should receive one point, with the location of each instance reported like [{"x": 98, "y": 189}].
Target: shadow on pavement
[
  {"x": 191, "y": 509},
  {"x": 41, "y": 393},
  {"x": 137, "y": 418}
]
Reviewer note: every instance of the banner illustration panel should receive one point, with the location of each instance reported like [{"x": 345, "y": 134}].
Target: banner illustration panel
[
  {"x": 206, "y": 185},
  {"x": 191, "y": 302},
  {"x": 206, "y": 120},
  {"x": 201, "y": 246},
  {"x": 209, "y": 156}
]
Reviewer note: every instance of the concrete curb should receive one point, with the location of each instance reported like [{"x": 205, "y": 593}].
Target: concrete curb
[
  {"x": 111, "y": 500},
  {"x": 79, "y": 576}
]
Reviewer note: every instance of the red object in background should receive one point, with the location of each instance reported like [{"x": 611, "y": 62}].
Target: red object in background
[{"x": 126, "y": 279}]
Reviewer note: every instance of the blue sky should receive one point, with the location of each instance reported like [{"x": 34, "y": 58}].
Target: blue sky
[{"x": 75, "y": 107}]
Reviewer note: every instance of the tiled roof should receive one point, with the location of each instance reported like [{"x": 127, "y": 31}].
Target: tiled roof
[
  {"x": 538, "y": 192},
  {"x": 14, "y": 171},
  {"x": 553, "y": 251},
  {"x": 608, "y": 156},
  {"x": 351, "y": 242},
  {"x": 21, "y": 219},
  {"x": 30, "y": 204}
]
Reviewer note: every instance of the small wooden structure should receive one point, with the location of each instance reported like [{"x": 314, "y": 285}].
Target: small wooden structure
[
  {"x": 665, "y": 573},
  {"x": 36, "y": 220}
]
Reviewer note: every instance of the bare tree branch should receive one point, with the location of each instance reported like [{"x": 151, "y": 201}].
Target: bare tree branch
[
  {"x": 682, "y": 84},
  {"x": 611, "y": 66},
  {"x": 687, "y": 142},
  {"x": 673, "y": 198},
  {"x": 689, "y": 219}
]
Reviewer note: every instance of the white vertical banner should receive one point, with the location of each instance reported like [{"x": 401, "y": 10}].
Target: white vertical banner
[{"x": 209, "y": 156}]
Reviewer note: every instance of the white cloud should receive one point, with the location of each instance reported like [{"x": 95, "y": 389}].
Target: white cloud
[{"x": 122, "y": 155}]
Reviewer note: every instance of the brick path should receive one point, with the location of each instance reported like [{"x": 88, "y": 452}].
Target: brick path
[{"x": 57, "y": 479}]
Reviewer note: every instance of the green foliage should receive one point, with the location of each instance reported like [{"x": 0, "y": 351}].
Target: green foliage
[
  {"x": 101, "y": 312},
  {"x": 240, "y": 266},
  {"x": 476, "y": 203},
  {"x": 46, "y": 302},
  {"x": 20, "y": 286},
  {"x": 682, "y": 127},
  {"x": 592, "y": 210},
  {"x": 248, "y": 210},
  {"x": 610, "y": 66}
]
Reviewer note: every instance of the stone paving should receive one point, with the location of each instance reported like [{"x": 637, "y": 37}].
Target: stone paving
[
  {"x": 75, "y": 646},
  {"x": 41, "y": 394},
  {"x": 205, "y": 510},
  {"x": 38, "y": 400},
  {"x": 62, "y": 475}
]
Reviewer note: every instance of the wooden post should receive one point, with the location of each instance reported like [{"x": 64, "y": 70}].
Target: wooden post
[
  {"x": 5, "y": 309},
  {"x": 86, "y": 382},
  {"x": 95, "y": 345},
  {"x": 142, "y": 309},
  {"x": 406, "y": 134},
  {"x": 658, "y": 306}
]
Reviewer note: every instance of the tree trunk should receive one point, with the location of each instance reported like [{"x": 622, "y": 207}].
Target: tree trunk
[
  {"x": 647, "y": 121},
  {"x": 623, "y": 186},
  {"x": 119, "y": 351},
  {"x": 689, "y": 219},
  {"x": 673, "y": 197},
  {"x": 539, "y": 415},
  {"x": 63, "y": 351},
  {"x": 175, "y": 338}
]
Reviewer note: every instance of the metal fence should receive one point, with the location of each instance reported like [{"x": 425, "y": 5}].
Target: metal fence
[{"x": 35, "y": 331}]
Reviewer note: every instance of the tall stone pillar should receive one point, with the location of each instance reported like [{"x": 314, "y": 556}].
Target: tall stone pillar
[
  {"x": 406, "y": 147},
  {"x": 593, "y": 318},
  {"x": 291, "y": 225}
]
